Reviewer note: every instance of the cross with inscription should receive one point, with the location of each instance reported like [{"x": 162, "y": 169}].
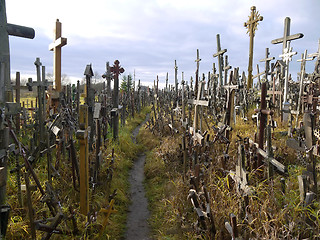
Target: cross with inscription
[
  {"x": 252, "y": 25},
  {"x": 56, "y": 46},
  {"x": 197, "y": 71},
  {"x": 219, "y": 54},
  {"x": 286, "y": 51},
  {"x": 116, "y": 69}
]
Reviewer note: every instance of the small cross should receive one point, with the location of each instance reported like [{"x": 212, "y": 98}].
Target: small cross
[
  {"x": 287, "y": 55},
  {"x": 267, "y": 62}
]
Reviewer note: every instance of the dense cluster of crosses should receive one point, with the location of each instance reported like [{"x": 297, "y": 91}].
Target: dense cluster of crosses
[{"x": 226, "y": 96}]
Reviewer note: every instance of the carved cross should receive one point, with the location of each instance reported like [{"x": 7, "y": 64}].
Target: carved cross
[
  {"x": 219, "y": 54},
  {"x": 108, "y": 76},
  {"x": 56, "y": 46},
  {"x": 252, "y": 25}
]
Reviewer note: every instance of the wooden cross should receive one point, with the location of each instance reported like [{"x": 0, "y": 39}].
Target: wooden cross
[
  {"x": 56, "y": 46},
  {"x": 252, "y": 25},
  {"x": 197, "y": 71},
  {"x": 197, "y": 103},
  {"x": 6, "y": 30},
  {"x": 116, "y": 69},
  {"x": 267, "y": 63},
  {"x": 219, "y": 54},
  {"x": 286, "y": 51}
]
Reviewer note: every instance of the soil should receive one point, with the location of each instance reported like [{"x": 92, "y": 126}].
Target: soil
[{"x": 137, "y": 220}]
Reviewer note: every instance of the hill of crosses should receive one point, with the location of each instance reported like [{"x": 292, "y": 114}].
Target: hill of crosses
[{"x": 227, "y": 155}]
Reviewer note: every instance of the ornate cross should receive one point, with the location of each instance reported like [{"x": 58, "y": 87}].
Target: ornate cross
[
  {"x": 56, "y": 46},
  {"x": 252, "y": 25}
]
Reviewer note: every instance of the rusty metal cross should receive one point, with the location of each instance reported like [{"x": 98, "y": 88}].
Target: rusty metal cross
[{"x": 252, "y": 25}]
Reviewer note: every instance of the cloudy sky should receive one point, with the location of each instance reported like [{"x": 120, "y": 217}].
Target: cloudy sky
[{"x": 148, "y": 35}]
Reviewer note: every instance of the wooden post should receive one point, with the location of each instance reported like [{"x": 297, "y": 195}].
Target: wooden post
[{"x": 82, "y": 135}]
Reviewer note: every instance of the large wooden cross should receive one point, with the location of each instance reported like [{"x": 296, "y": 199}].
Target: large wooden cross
[
  {"x": 56, "y": 46},
  {"x": 6, "y": 94},
  {"x": 219, "y": 54},
  {"x": 175, "y": 80},
  {"x": 286, "y": 51},
  {"x": 226, "y": 68},
  {"x": 6, "y": 30},
  {"x": 251, "y": 25},
  {"x": 108, "y": 76}
]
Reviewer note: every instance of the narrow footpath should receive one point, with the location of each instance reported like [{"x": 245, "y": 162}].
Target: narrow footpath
[{"x": 137, "y": 221}]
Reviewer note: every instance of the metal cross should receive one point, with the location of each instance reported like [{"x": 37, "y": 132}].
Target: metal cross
[
  {"x": 252, "y": 25},
  {"x": 219, "y": 54},
  {"x": 56, "y": 46}
]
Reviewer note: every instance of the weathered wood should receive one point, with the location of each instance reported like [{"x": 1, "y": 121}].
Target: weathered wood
[
  {"x": 82, "y": 135},
  {"x": 56, "y": 46}
]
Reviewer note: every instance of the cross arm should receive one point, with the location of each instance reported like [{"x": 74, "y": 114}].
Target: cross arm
[
  {"x": 289, "y": 38},
  {"x": 220, "y": 52},
  {"x": 60, "y": 42},
  {"x": 20, "y": 31}
]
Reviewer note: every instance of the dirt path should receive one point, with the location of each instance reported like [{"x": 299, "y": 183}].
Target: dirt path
[{"x": 137, "y": 225}]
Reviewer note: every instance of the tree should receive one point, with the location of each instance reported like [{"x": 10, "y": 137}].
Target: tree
[{"x": 126, "y": 81}]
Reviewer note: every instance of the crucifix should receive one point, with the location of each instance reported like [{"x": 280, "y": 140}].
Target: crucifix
[
  {"x": 286, "y": 51},
  {"x": 252, "y": 25},
  {"x": 219, "y": 54},
  {"x": 56, "y": 46},
  {"x": 116, "y": 69},
  {"x": 197, "y": 71}
]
